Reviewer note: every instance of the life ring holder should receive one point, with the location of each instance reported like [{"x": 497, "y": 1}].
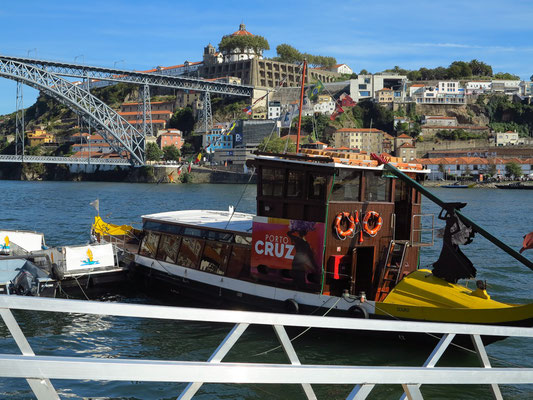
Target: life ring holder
[
  {"x": 350, "y": 232},
  {"x": 372, "y": 215}
]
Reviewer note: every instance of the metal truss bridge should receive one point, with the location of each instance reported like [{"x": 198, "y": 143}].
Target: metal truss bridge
[
  {"x": 63, "y": 160},
  {"x": 46, "y": 76},
  {"x": 143, "y": 78}
]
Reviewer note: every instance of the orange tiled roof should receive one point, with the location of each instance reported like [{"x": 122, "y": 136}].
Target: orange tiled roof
[
  {"x": 404, "y": 136},
  {"x": 135, "y": 112}
]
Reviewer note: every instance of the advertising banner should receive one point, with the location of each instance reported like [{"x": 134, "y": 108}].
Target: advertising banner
[
  {"x": 83, "y": 257},
  {"x": 287, "y": 244}
]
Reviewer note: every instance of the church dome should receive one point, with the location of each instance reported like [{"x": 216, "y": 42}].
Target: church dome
[{"x": 242, "y": 31}]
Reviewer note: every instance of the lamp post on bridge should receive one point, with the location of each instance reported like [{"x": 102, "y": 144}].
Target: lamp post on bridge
[
  {"x": 82, "y": 58},
  {"x": 34, "y": 50},
  {"x": 118, "y": 61}
]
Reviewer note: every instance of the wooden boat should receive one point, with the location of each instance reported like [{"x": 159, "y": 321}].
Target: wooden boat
[
  {"x": 332, "y": 235},
  {"x": 516, "y": 185}
]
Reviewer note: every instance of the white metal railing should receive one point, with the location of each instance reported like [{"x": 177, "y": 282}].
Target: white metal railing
[{"x": 38, "y": 370}]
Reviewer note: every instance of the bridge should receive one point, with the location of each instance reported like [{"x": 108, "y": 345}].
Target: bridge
[{"x": 49, "y": 77}]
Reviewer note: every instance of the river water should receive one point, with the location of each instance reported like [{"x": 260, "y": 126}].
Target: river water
[{"x": 62, "y": 212}]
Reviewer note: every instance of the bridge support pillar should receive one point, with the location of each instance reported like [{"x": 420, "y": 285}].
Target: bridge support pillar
[{"x": 19, "y": 124}]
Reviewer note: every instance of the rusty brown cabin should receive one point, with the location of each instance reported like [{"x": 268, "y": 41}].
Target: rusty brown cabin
[{"x": 314, "y": 188}]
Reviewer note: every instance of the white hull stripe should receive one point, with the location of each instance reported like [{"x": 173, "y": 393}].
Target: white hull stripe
[{"x": 254, "y": 289}]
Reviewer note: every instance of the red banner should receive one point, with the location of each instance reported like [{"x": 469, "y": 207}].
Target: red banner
[{"x": 287, "y": 244}]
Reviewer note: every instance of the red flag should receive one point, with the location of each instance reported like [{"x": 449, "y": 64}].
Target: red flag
[
  {"x": 347, "y": 101},
  {"x": 198, "y": 158},
  {"x": 528, "y": 242},
  {"x": 336, "y": 113},
  {"x": 190, "y": 166},
  {"x": 179, "y": 171}
]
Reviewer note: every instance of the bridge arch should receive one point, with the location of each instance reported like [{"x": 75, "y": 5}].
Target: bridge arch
[{"x": 114, "y": 127}]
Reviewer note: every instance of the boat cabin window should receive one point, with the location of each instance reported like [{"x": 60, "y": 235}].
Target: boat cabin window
[
  {"x": 149, "y": 244},
  {"x": 214, "y": 258},
  {"x": 377, "y": 187},
  {"x": 347, "y": 186},
  {"x": 239, "y": 262},
  {"x": 219, "y": 236},
  {"x": 161, "y": 227},
  {"x": 241, "y": 239},
  {"x": 295, "y": 184},
  {"x": 272, "y": 181},
  {"x": 168, "y": 248},
  {"x": 317, "y": 186},
  {"x": 189, "y": 253},
  {"x": 193, "y": 232}
]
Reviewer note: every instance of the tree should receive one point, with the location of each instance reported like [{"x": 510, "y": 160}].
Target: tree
[
  {"x": 506, "y": 76},
  {"x": 231, "y": 43},
  {"x": 183, "y": 119},
  {"x": 513, "y": 169},
  {"x": 171, "y": 153},
  {"x": 491, "y": 170},
  {"x": 153, "y": 152},
  {"x": 287, "y": 53}
]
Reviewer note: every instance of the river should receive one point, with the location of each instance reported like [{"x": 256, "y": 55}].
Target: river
[{"x": 62, "y": 212}]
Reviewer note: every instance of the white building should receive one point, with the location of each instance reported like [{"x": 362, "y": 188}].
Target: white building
[
  {"x": 366, "y": 86},
  {"x": 431, "y": 120},
  {"x": 508, "y": 138},
  {"x": 446, "y": 92},
  {"x": 478, "y": 87},
  {"x": 508, "y": 87},
  {"x": 274, "y": 110},
  {"x": 341, "y": 69}
]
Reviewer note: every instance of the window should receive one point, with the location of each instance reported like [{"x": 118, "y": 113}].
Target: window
[
  {"x": 168, "y": 248},
  {"x": 317, "y": 187},
  {"x": 295, "y": 184},
  {"x": 364, "y": 93},
  {"x": 272, "y": 182},
  {"x": 214, "y": 258},
  {"x": 149, "y": 244},
  {"x": 367, "y": 80},
  {"x": 347, "y": 185},
  {"x": 377, "y": 188},
  {"x": 189, "y": 253},
  {"x": 362, "y": 86}
]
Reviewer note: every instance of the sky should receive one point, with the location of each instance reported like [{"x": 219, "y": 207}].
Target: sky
[{"x": 373, "y": 34}]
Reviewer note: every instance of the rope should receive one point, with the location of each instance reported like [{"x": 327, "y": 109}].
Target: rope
[
  {"x": 453, "y": 344},
  {"x": 305, "y": 330}
]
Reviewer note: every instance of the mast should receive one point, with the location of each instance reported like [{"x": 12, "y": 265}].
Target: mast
[{"x": 300, "y": 109}]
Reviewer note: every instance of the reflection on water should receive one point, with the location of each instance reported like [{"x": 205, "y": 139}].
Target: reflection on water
[{"x": 61, "y": 210}]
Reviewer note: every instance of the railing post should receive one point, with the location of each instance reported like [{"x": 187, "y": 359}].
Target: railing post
[
  {"x": 42, "y": 388},
  {"x": 485, "y": 362}
]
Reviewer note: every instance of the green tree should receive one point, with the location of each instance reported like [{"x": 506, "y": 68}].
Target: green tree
[
  {"x": 231, "y": 43},
  {"x": 171, "y": 153},
  {"x": 153, "y": 152},
  {"x": 506, "y": 76},
  {"x": 183, "y": 119},
  {"x": 491, "y": 169},
  {"x": 513, "y": 169},
  {"x": 287, "y": 53}
]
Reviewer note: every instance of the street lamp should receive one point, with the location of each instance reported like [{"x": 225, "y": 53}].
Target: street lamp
[
  {"x": 116, "y": 62},
  {"x": 82, "y": 58},
  {"x": 34, "y": 50}
]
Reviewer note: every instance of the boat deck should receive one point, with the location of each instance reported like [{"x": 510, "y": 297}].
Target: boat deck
[{"x": 223, "y": 220}]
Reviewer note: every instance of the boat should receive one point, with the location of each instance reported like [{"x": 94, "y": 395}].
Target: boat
[
  {"x": 455, "y": 185},
  {"x": 516, "y": 185},
  {"x": 19, "y": 276},
  {"x": 334, "y": 234}
]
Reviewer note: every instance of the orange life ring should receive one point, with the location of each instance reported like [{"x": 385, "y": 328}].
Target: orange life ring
[
  {"x": 374, "y": 215},
  {"x": 351, "y": 225}
]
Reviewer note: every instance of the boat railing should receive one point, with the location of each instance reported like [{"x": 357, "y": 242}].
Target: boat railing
[
  {"x": 38, "y": 370},
  {"x": 427, "y": 228}
]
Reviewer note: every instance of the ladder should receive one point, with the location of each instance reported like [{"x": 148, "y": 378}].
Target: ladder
[{"x": 392, "y": 270}]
